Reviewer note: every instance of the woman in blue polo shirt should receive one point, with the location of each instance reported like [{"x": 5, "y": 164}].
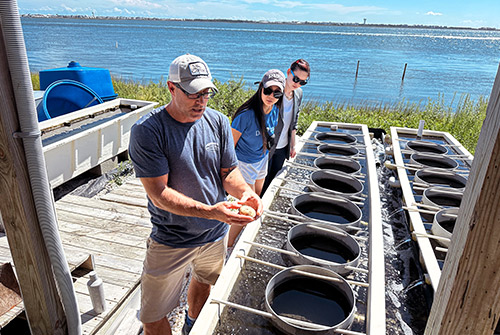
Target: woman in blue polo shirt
[{"x": 253, "y": 132}]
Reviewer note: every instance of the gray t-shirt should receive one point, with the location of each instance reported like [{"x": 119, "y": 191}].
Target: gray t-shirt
[{"x": 192, "y": 154}]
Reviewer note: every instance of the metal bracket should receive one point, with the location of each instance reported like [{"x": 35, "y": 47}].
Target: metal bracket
[
  {"x": 241, "y": 260},
  {"x": 30, "y": 134}
]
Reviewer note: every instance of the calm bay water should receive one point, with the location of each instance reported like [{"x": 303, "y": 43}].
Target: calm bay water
[{"x": 444, "y": 62}]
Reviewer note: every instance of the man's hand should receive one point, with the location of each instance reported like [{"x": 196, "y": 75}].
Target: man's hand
[
  {"x": 222, "y": 212},
  {"x": 250, "y": 198}
]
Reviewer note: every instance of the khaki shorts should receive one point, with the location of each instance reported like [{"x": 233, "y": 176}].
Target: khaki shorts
[{"x": 163, "y": 274}]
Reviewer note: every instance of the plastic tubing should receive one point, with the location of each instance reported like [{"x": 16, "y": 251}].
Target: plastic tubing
[{"x": 42, "y": 194}]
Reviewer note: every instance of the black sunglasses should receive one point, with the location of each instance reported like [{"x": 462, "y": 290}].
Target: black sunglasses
[
  {"x": 207, "y": 95},
  {"x": 277, "y": 94},
  {"x": 298, "y": 80}
]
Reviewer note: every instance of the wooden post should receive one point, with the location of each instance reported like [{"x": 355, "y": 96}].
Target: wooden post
[
  {"x": 41, "y": 300},
  {"x": 467, "y": 300},
  {"x": 404, "y": 72},
  {"x": 357, "y": 68}
]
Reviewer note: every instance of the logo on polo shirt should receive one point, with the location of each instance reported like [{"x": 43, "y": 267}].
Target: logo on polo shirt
[{"x": 212, "y": 147}]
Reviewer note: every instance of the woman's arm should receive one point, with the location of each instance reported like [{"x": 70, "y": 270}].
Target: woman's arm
[
  {"x": 236, "y": 136},
  {"x": 292, "y": 144}
]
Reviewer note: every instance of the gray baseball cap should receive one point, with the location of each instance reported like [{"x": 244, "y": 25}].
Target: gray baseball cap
[
  {"x": 191, "y": 73},
  {"x": 274, "y": 77}
]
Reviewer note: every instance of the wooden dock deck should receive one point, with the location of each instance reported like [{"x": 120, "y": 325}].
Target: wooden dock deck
[{"x": 113, "y": 229}]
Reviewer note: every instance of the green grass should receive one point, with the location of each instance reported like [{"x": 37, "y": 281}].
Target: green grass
[{"x": 463, "y": 120}]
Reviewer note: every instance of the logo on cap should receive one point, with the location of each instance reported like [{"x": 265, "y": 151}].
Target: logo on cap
[
  {"x": 274, "y": 76},
  {"x": 198, "y": 69}
]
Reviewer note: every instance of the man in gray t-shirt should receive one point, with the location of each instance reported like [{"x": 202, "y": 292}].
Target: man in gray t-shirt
[{"x": 184, "y": 155}]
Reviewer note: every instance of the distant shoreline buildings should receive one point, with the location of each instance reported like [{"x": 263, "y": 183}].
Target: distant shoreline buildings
[{"x": 346, "y": 24}]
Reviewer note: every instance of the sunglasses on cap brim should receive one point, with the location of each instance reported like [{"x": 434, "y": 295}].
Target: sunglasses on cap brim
[{"x": 268, "y": 90}]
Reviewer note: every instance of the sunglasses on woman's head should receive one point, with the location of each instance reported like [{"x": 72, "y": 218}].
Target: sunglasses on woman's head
[
  {"x": 297, "y": 79},
  {"x": 277, "y": 94}
]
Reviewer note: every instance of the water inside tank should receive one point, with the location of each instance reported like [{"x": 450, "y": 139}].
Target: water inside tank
[{"x": 407, "y": 298}]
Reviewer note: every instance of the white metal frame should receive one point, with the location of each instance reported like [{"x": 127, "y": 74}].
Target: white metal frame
[
  {"x": 428, "y": 257},
  {"x": 376, "y": 324}
]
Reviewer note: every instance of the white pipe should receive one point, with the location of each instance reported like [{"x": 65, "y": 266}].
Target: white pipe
[
  {"x": 296, "y": 254},
  {"x": 313, "y": 168},
  {"x": 435, "y": 237},
  {"x": 287, "y": 319},
  {"x": 323, "y": 154},
  {"x": 271, "y": 316},
  {"x": 42, "y": 195},
  {"x": 300, "y": 272},
  {"x": 443, "y": 145}
]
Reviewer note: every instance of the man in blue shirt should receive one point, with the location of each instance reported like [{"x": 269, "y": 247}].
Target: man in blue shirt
[{"x": 184, "y": 155}]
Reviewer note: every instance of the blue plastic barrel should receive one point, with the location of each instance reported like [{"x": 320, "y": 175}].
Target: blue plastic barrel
[{"x": 66, "y": 96}]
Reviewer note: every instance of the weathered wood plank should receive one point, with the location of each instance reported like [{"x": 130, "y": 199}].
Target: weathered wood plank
[
  {"x": 467, "y": 300},
  {"x": 92, "y": 207},
  {"x": 114, "y": 207},
  {"x": 105, "y": 214},
  {"x": 128, "y": 192},
  {"x": 15, "y": 311},
  {"x": 131, "y": 228},
  {"x": 74, "y": 260},
  {"x": 112, "y": 275},
  {"x": 113, "y": 293},
  {"x": 137, "y": 188},
  {"x": 134, "y": 181},
  {"x": 125, "y": 320},
  {"x": 108, "y": 239},
  {"x": 5, "y": 255},
  {"x": 103, "y": 235},
  {"x": 109, "y": 260},
  {"x": 96, "y": 246},
  {"x": 126, "y": 199}
]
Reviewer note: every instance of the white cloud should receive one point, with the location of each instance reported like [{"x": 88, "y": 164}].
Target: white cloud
[
  {"x": 123, "y": 10},
  {"x": 69, "y": 9},
  {"x": 288, "y": 4},
  {"x": 433, "y": 13},
  {"x": 137, "y": 3},
  {"x": 341, "y": 9},
  {"x": 265, "y": 2}
]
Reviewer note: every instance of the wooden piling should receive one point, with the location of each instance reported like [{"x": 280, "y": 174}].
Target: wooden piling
[
  {"x": 357, "y": 68},
  {"x": 29, "y": 253},
  {"x": 467, "y": 298},
  {"x": 404, "y": 72}
]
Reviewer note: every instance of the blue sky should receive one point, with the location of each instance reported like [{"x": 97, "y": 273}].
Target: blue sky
[{"x": 479, "y": 13}]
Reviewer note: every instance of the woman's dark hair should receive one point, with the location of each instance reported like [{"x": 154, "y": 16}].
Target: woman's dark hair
[
  {"x": 255, "y": 103},
  {"x": 301, "y": 64}
]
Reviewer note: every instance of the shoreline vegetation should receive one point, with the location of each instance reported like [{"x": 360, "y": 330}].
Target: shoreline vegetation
[
  {"x": 462, "y": 119},
  {"x": 340, "y": 24}
]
